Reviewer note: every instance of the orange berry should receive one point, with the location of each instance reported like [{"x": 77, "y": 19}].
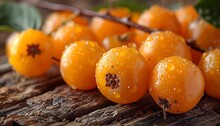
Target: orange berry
[
  {"x": 206, "y": 35},
  {"x": 176, "y": 84},
  {"x": 135, "y": 16},
  {"x": 140, "y": 37},
  {"x": 160, "y": 45},
  {"x": 160, "y": 18},
  {"x": 118, "y": 41},
  {"x": 30, "y": 54},
  {"x": 70, "y": 33},
  {"x": 122, "y": 75},
  {"x": 103, "y": 28},
  {"x": 78, "y": 64},
  {"x": 56, "y": 19},
  {"x": 210, "y": 67},
  {"x": 186, "y": 15}
]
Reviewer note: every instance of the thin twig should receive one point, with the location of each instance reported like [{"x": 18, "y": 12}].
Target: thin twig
[
  {"x": 192, "y": 44},
  {"x": 55, "y": 59},
  {"x": 126, "y": 21}
]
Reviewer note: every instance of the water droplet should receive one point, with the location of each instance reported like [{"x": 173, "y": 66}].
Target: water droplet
[
  {"x": 116, "y": 53},
  {"x": 116, "y": 94},
  {"x": 74, "y": 44},
  {"x": 156, "y": 37},
  {"x": 132, "y": 89},
  {"x": 161, "y": 38},
  {"x": 121, "y": 54},
  {"x": 170, "y": 67},
  {"x": 92, "y": 44},
  {"x": 71, "y": 62},
  {"x": 66, "y": 46}
]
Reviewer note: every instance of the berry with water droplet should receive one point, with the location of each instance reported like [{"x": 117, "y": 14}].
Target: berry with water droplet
[
  {"x": 76, "y": 70},
  {"x": 122, "y": 75},
  {"x": 174, "y": 91},
  {"x": 210, "y": 67}
]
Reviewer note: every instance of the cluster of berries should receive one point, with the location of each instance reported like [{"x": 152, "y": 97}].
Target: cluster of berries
[{"x": 122, "y": 62}]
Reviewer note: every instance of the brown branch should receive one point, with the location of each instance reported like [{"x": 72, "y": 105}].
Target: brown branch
[
  {"x": 126, "y": 21},
  {"x": 193, "y": 45}
]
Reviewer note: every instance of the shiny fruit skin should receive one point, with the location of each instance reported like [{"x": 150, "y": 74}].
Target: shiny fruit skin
[
  {"x": 70, "y": 33},
  {"x": 10, "y": 40},
  {"x": 112, "y": 42},
  {"x": 186, "y": 15},
  {"x": 31, "y": 53},
  {"x": 103, "y": 28},
  {"x": 176, "y": 84},
  {"x": 160, "y": 18},
  {"x": 160, "y": 45},
  {"x": 78, "y": 64},
  {"x": 206, "y": 35},
  {"x": 122, "y": 75},
  {"x": 56, "y": 19},
  {"x": 210, "y": 67}
]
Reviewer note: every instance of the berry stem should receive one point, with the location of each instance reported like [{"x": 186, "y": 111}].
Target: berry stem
[
  {"x": 164, "y": 113},
  {"x": 126, "y": 21}
]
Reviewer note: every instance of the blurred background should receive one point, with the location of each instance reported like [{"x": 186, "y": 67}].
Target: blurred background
[{"x": 134, "y": 5}]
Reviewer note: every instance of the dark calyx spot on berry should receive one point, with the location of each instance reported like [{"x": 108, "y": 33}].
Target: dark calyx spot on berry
[
  {"x": 164, "y": 103},
  {"x": 33, "y": 50},
  {"x": 111, "y": 81}
]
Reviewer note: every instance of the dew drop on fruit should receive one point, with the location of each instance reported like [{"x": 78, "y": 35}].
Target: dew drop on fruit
[
  {"x": 92, "y": 44},
  {"x": 121, "y": 54},
  {"x": 149, "y": 38},
  {"x": 70, "y": 61},
  {"x": 116, "y": 53},
  {"x": 150, "y": 89},
  {"x": 132, "y": 89},
  {"x": 170, "y": 67},
  {"x": 116, "y": 94},
  {"x": 161, "y": 38}
]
